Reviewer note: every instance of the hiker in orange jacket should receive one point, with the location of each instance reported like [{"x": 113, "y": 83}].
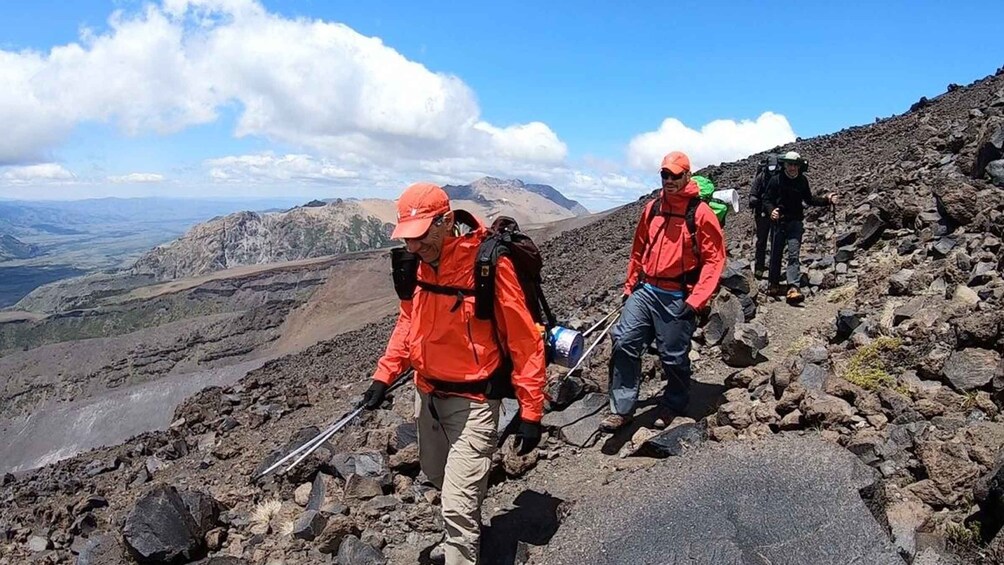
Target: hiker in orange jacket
[
  {"x": 456, "y": 356},
  {"x": 672, "y": 273}
]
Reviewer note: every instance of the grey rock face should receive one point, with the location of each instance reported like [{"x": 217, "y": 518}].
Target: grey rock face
[
  {"x": 971, "y": 368},
  {"x": 788, "y": 500},
  {"x": 741, "y": 348}
]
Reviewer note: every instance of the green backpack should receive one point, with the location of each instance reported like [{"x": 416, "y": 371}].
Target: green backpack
[{"x": 721, "y": 209}]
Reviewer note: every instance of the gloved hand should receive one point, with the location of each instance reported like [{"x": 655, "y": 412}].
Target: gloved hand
[
  {"x": 374, "y": 395},
  {"x": 527, "y": 437}
]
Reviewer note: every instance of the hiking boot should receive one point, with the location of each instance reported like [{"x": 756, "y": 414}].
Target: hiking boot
[
  {"x": 775, "y": 290},
  {"x": 614, "y": 422},
  {"x": 663, "y": 417},
  {"x": 794, "y": 296}
]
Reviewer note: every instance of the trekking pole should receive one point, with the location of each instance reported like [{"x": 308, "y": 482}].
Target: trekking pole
[
  {"x": 311, "y": 445},
  {"x": 586, "y": 333},
  {"x": 591, "y": 347}
]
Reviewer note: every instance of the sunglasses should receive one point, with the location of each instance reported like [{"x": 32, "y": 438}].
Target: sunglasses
[{"x": 666, "y": 175}]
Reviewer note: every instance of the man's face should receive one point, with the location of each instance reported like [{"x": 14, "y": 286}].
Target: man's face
[
  {"x": 430, "y": 245},
  {"x": 672, "y": 182},
  {"x": 791, "y": 169}
]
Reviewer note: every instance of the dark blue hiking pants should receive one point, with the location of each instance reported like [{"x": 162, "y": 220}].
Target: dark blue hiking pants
[{"x": 651, "y": 314}]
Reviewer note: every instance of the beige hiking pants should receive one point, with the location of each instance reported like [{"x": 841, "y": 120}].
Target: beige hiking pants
[{"x": 456, "y": 439}]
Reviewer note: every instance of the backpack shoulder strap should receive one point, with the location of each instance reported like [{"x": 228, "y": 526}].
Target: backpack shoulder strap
[
  {"x": 690, "y": 216},
  {"x": 653, "y": 210},
  {"x": 485, "y": 264}
]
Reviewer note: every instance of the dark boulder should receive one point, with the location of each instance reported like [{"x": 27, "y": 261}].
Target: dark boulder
[{"x": 160, "y": 528}]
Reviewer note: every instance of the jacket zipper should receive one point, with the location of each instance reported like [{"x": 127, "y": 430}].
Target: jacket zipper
[{"x": 470, "y": 337}]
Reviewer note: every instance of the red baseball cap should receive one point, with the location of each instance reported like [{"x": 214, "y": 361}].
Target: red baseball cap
[
  {"x": 418, "y": 205},
  {"x": 676, "y": 163}
]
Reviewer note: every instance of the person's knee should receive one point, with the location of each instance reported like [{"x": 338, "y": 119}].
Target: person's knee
[{"x": 628, "y": 346}]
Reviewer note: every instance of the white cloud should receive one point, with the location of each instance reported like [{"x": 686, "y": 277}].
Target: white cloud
[
  {"x": 31, "y": 174},
  {"x": 348, "y": 111},
  {"x": 716, "y": 142},
  {"x": 267, "y": 167},
  {"x": 313, "y": 84},
  {"x": 136, "y": 178}
]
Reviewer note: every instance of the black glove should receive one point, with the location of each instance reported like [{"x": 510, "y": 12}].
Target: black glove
[
  {"x": 528, "y": 437},
  {"x": 624, "y": 297},
  {"x": 373, "y": 397}
]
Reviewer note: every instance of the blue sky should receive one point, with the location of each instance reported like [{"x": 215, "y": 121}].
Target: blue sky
[{"x": 238, "y": 98}]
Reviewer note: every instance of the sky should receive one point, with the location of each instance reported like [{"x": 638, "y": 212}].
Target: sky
[{"x": 332, "y": 98}]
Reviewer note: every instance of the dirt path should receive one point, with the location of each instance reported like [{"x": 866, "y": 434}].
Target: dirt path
[
  {"x": 568, "y": 473},
  {"x": 789, "y": 328}
]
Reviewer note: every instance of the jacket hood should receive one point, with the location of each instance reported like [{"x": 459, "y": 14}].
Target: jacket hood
[{"x": 683, "y": 195}]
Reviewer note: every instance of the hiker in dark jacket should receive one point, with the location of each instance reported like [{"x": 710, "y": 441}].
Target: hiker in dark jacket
[
  {"x": 761, "y": 215},
  {"x": 785, "y": 197}
]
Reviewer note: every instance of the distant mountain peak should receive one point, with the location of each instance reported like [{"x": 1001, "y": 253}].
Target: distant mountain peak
[{"x": 486, "y": 190}]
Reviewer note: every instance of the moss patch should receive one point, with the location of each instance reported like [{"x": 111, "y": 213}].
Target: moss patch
[{"x": 867, "y": 369}]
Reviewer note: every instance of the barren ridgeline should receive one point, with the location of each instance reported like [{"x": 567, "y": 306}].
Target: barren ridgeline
[{"x": 863, "y": 426}]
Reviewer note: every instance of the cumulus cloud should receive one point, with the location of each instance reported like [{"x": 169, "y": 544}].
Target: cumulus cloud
[
  {"x": 348, "y": 110},
  {"x": 32, "y": 174},
  {"x": 716, "y": 142},
  {"x": 267, "y": 167},
  {"x": 136, "y": 178},
  {"x": 313, "y": 84}
]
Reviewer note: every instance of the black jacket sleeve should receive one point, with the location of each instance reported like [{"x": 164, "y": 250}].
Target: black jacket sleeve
[{"x": 808, "y": 197}]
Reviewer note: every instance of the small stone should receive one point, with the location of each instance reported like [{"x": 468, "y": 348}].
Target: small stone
[
  {"x": 39, "y": 543},
  {"x": 309, "y": 525},
  {"x": 302, "y": 494},
  {"x": 792, "y": 420}
]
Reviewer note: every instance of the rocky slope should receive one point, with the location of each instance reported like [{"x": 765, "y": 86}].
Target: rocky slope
[
  {"x": 895, "y": 357},
  {"x": 250, "y": 238}
]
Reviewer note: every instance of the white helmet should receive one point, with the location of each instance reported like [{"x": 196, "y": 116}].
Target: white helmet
[{"x": 791, "y": 157}]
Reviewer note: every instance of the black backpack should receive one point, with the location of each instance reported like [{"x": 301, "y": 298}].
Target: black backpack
[
  {"x": 767, "y": 168},
  {"x": 689, "y": 216},
  {"x": 504, "y": 239}
]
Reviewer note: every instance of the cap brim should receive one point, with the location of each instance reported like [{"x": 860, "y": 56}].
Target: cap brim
[
  {"x": 411, "y": 228},
  {"x": 675, "y": 169}
]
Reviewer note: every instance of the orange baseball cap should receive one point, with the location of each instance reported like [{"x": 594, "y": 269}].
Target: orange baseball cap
[
  {"x": 676, "y": 163},
  {"x": 418, "y": 205}
]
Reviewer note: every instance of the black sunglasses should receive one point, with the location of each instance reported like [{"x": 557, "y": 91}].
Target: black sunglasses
[{"x": 666, "y": 175}]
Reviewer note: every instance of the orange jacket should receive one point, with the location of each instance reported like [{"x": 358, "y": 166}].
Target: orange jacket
[
  {"x": 445, "y": 343},
  {"x": 663, "y": 250}
]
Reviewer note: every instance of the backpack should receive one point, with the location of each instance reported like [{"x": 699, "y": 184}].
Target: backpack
[
  {"x": 707, "y": 190},
  {"x": 767, "y": 168},
  {"x": 504, "y": 239}
]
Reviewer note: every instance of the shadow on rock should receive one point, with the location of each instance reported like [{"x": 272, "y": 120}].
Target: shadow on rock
[
  {"x": 533, "y": 520},
  {"x": 704, "y": 401}
]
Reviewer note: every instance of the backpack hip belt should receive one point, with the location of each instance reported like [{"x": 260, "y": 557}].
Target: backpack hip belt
[{"x": 495, "y": 386}]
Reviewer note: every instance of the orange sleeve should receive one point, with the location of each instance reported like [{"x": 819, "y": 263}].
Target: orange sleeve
[
  {"x": 712, "y": 242},
  {"x": 637, "y": 251},
  {"x": 523, "y": 341},
  {"x": 397, "y": 357}
]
